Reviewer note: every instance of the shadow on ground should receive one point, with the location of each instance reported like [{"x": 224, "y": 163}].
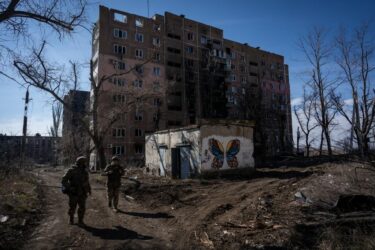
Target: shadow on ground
[
  {"x": 116, "y": 233},
  {"x": 149, "y": 215}
]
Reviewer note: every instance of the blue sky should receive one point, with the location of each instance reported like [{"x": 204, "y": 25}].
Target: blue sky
[{"x": 273, "y": 25}]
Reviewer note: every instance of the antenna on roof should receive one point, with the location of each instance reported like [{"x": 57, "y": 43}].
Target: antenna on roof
[{"x": 148, "y": 8}]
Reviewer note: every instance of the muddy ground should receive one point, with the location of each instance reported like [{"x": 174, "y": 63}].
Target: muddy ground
[{"x": 263, "y": 211}]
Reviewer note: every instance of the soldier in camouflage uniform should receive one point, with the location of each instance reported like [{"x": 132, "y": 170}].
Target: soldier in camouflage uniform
[
  {"x": 113, "y": 171},
  {"x": 76, "y": 184}
]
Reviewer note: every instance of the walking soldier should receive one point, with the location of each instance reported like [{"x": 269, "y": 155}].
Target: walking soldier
[
  {"x": 76, "y": 185},
  {"x": 113, "y": 171}
]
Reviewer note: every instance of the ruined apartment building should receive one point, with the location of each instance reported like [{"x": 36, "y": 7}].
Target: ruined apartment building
[
  {"x": 169, "y": 71},
  {"x": 75, "y": 140}
]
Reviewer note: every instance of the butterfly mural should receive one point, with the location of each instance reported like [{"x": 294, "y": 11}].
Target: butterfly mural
[{"x": 217, "y": 149}]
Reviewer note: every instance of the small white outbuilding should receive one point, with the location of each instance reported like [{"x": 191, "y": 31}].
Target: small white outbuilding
[{"x": 214, "y": 145}]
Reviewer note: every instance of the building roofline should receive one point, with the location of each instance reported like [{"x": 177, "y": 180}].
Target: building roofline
[
  {"x": 205, "y": 122},
  {"x": 257, "y": 48},
  {"x": 183, "y": 16}
]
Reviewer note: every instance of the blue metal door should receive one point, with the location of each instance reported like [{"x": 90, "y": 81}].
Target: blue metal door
[{"x": 185, "y": 162}]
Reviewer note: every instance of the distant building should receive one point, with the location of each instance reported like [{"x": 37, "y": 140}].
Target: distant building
[
  {"x": 75, "y": 140},
  {"x": 216, "y": 145},
  {"x": 39, "y": 149},
  {"x": 170, "y": 71}
]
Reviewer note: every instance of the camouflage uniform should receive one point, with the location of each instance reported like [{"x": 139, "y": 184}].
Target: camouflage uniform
[
  {"x": 76, "y": 180},
  {"x": 114, "y": 171}
]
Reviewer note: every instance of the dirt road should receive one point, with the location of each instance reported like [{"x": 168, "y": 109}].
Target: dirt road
[
  {"x": 260, "y": 212},
  {"x": 132, "y": 228}
]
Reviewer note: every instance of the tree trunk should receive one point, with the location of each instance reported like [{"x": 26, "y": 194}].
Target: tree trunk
[
  {"x": 328, "y": 139},
  {"x": 101, "y": 157},
  {"x": 307, "y": 145},
  {"x": 321, "y": 143}
]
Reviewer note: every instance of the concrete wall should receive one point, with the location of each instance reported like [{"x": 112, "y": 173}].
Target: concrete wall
[
  {"x": 212, "y": 148},
  {"x": 172, "y": 139},
  {"x": 226, "y": 147}
]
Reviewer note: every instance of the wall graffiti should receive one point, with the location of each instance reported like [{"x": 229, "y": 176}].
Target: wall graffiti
[{"x": 217, "y": 149}]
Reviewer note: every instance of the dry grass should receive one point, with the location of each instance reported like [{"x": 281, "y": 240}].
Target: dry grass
[{"x": 20, "y": 199}]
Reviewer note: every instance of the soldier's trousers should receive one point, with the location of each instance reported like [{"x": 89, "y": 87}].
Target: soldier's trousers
[
  {"x": 113, "y": 195},
  {"x": 75, "y": 201}
]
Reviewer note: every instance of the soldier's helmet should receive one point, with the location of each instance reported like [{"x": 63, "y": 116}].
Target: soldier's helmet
[
  {"x": 115, "y": 158},
  {"x": 81, "y": 161}
]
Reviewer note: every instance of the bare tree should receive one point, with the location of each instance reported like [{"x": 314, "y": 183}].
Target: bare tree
[
  {"x": 56, "y": 119},
  {"x": 304, "y": 113},
  {"x": 355, "y": 59},
  {"x": 48, "y": 77},
  {"x": 18, "y": 16},
  {"x": 317, "y": 52}
]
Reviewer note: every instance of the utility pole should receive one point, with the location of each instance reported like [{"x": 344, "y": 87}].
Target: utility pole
[
  {"x": 24, "y": 129},
  {"x": 148, "y": 8}
]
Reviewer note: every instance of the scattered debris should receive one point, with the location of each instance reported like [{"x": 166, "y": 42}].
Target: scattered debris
[
  {"x": 128, "y": 197},
  {"x": 226, "y": 232},
  {"x": 23, "y": 223},
  {"x": 205, "y": 240},
  {"x": 301, "y": 197},
  {"x": 4, "y": 218}
]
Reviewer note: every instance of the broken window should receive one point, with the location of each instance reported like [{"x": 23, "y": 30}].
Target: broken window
[
  {"x": 139, "y": 69},
  {"x": 157, "y": 56},
  {"x": 139, "y": 53},
  {"x": 190, "y": 36},
  {"x": 118, "y": 33},
  {"x": 157, "y": 102},
  {"x": 118, "y": 81},
  {"x": 118, "y": 132},
  {"x": 156, "y": 27},
  {"x": 118, "y": 150},
  {"x": 120, "y": 17},
  {"x": 139, "y": 23},
  {"x": 137, "y": 83},
  {"x": 173, "y": 50},
  {"x": 174, "y": 36},
  {"x": 189, "y": 49},
  {"x": 156, "y": 41},
  {"x": 139, "y": 37},
  {"x": 138, "y": 116},
  {"x": 138, "y": 148},
  {"x": 119, "y": 49},
  {"x": 203, "y": 39},
  {"x": 119, "y": 65},
  {"x": 174, "y": 64},
  {"x": 156, "y": 71},
  {"x": 138, "y": 132}
]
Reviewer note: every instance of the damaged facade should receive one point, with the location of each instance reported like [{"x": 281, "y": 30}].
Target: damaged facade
[
  {"x": 190, "y": 151},
  {"x": 170, "y": 72},
  {"x": 75, "y": 140}
]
